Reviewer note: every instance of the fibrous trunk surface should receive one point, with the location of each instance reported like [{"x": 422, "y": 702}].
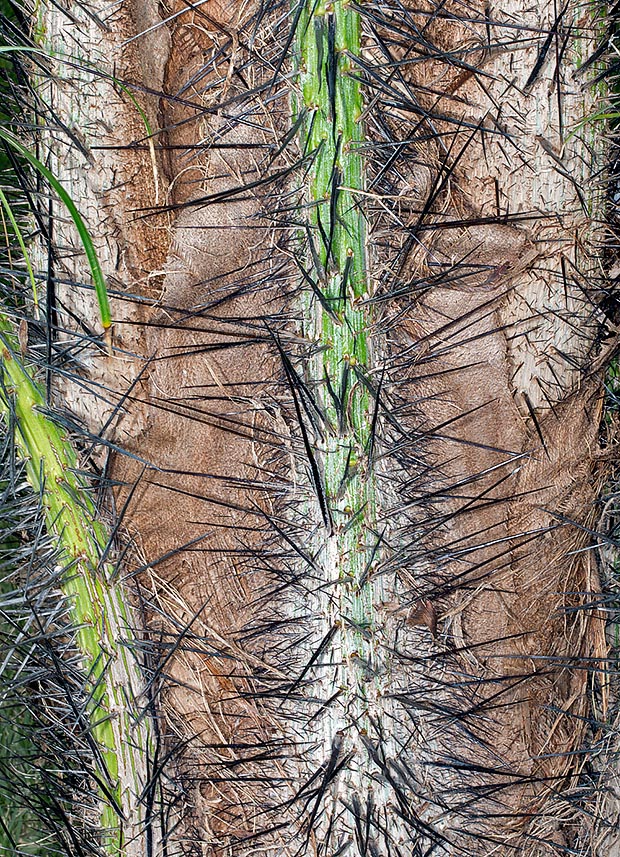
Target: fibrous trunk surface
[{"x": 355, "y": 258}]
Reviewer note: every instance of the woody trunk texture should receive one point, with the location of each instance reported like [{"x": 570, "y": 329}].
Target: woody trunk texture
[{"x": 355, "y": 262}]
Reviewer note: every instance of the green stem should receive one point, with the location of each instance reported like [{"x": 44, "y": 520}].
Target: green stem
[
  {"x": 330, "y": 101},
  {"x": 120, "y": 739}
]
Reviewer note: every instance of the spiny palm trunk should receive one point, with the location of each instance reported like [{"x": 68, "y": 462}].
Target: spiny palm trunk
[{"x": 356, "y": 265}]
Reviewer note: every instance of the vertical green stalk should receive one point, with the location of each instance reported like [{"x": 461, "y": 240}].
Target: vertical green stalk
[
  {"x": 330, "y": 101},
  {"x": 119, "y": 737}
]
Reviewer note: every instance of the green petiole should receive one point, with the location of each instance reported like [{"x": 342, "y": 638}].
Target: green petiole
[
  {"x": 330, "y": 101},
  {"x": 103, "y": 630}
]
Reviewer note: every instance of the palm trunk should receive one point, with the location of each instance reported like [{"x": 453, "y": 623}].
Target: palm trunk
[{"x": 356, "y": 263}]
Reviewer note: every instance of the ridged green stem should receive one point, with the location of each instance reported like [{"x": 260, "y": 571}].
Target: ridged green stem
[
  {"x": 120, "y": 739},
  {"x": 330, "y": 100}
]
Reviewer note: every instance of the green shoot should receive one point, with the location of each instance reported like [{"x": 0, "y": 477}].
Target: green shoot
[{"x": 87, "y": 242}]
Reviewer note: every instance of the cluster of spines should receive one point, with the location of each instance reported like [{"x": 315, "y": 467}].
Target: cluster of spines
[{"x": 286, "y": 553}]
